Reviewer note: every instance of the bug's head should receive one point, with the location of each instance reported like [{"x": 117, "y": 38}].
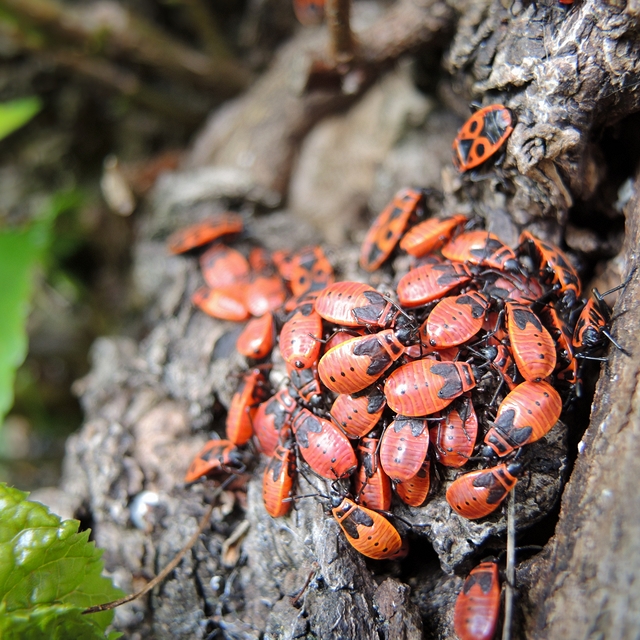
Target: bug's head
[{"x": 406, "y": 329}]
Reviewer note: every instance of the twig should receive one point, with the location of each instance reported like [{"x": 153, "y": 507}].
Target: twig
[
  {"x": 511, "y": 566},
  {"x": 117, "y": 32},
  {"x": 172, "y": 565},
  {"x": 128, "y": 84},
  {"x": 338, "y": 14}
]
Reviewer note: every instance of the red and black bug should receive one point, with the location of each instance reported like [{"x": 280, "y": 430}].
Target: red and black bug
[
  {"x": 403, "y": 447},
  {"x": 554, "y": 262},
  {"x": 371, "y": 485},
  {"x": 222, "y": 266},
  {"x": 310, "y": 271},
  {"x": 561, "y": 334},
  {"x": 526, "y": 414},
  {"x": 257, "y": 338},
  {"x": 415, "y": 490},
  {"x": 300, "y": 337},
  {"x": 426, "y": 386},
  {"x": 455, "y": 319},
  {"x": 477, "y": 607},
  {"x": 354, "y": 304},
  {"x": 368, "y": 532},
  {"x": 388, "y": 227},
  {"x": 430, "y": 282},
  {"x": 252, "y": 391},
  {"x": 265, "y": 293},
  {"x": 478, "y": 493},
  {"x": 309, "y": 12},
  {"x": 593, "y": 324},
  {"x": 481, "y": 248},
  {"x": 305, "y": 385},
  {"x": 282, "y": 260},
  {"x": 272, "y": 421},
  {"x": 455, "y": 435},
  {"x": 500, "y": 360},
  {"x": 323, "y": 446},
  {"x": 532, "y": 346},
  {"x": 358, "y": 414},
  {"x": 204, "y": 232},
  {"x": 357, "y": 363},
  {"x": 260, "y": 260},
  {"x": 481, "y": 136},
  {"x": 513, "y": 287},
  {"x": 278, "y": 480},
  {"x": 217, "y": 456},
  {"x": 429, "y": 235},
  {"x": 225, "y": 303}
]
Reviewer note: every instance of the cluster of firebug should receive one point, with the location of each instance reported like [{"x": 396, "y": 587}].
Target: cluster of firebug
[{"x": 474, "y": 356}]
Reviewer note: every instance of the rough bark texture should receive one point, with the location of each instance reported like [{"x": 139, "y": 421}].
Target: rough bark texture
[
  {"x": 151, "y": 405},
  {"x": 585, "y": 583}
]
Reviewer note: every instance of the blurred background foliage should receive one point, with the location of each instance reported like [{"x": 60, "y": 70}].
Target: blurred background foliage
[{"x": 105, "y": 90}]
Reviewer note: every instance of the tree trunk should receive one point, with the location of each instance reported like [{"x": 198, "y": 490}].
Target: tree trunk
[{"x": 150, "y": 405}]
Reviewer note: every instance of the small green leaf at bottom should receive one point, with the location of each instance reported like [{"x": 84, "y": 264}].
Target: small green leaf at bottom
[{"x": 49, "y": 573}]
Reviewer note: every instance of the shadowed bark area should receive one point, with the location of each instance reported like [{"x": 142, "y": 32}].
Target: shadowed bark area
[
  {"x": 585, "y": 584},
  {"x": 151, "y": 405}
]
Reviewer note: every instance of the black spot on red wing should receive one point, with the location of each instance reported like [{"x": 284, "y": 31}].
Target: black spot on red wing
[
  {"x": 485, "y": 581},
  {"x": 479, "y": 150},
  {"x": 275, "y": 465},
  {"x": 417, "y": 427},
  {"x": 379, "y": 364},
  {"x": 279, "y": 413},
  {"x": 477, "y": 310},
  {"x": 520, "y": 436},
  {"x": 496, "y": 494},
  {"x": 375, "y": 253},
  {"x": 523, "y": 316},
  {"x": 368, "y": 464},
  {"x": 350, "y": 527},
  {"x": 310, "y": 424},
  {"x": 369, "y": 347},
  {"x": 486, "y": 480},
  {"x": 361, "y": 518},
  {"x": 473, "y": 125},
  {"x": 376, "y": 402},
  {"x": 493, "y": 126},
  {"x": 370, "y": 313},
  {"x": 464, "y": 147},
  {"x": 397, "y": 212},
  {"x": 504, "y": 422},
  {"x": 452, "y": 386},
  {"x": 307, "y": 261}
]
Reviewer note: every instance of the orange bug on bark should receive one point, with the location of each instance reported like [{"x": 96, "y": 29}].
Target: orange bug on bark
[
  {"x": 278, "y": 480},
  {"x": 532, "y": 346},
  {"x": 477, "y": 607},
  {"x": 478, "y": 493},
  {"x": 426, "y": 386},
  {"x": 387, "y": 229},
  {"x": 201, "y": 233}
]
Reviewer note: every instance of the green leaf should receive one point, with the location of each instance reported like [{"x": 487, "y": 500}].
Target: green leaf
[
  {"x": 19, "y": 253},
  {"x": 16, "y": 113},
  {"x": 49, "y": 573}
]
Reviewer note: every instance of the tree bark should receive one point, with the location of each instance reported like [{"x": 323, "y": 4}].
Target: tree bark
[
  {"x": 151, "y": 405},
  {"x": 584, "y": 584}
]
